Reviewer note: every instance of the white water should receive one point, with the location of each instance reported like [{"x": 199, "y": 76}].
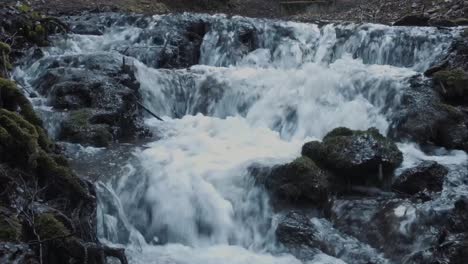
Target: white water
[{"x": 189, "y": 197}]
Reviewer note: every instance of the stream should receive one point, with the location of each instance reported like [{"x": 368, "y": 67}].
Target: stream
[{"x": 253, "y": 92}]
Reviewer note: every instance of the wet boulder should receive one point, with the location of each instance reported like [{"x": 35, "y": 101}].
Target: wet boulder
[
  {"x": 393, "y": 226},
  {"x": 452, "y": 85},
  {"x": 452, "y": 243},
  {"x": 428, "y": 176},
  {"x": 424, "y": 118},
  {"x": 17, "y": 253},
  {"x": 100, "y": 95},
  {"x": 78, "y": 128},
  {"x": 413, "y": 20},
  {"x": 307, "y": 236},
  {"x": 300, "y": 182},
  {"x": 458, "y": 222},
  {"x": 442, "y": 23},
  {"x": 296, "y": 232},
  {"x": 357, "y": 157}
]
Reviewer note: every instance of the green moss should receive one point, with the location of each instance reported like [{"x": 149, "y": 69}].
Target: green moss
[
  {"x": 139, "y": 6},
  {"x": 303, "y": 163},
  {"x": 48, "y": 227},
  {"x": 61, "y": 176},
  {"x": 24, "y": 8},
  {"x": 12, "y": 98},
  {"x": 5, "y": 48},
  {"x": 19, "y": 139},
  {"x": 44, "y": 141},
  {"x": 10, "y": 228},
  {"x": 4, "y": 58},
  {"x": 36, "y": 15},
  {"x": 337, "y": 132},
  {"x": 452, "y": 84},
  {"x": 452, "y": 75},
  {"x": 40, "y": 30},
  {"x": 78, "y": 129},
  {"x": 80, "y": 117},
  {"x": 345, "y": 132}
]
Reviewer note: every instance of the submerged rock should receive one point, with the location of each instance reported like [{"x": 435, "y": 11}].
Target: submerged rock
[
  {"x": 297, "y": 183},
  {"x": 427, "y": 176},
  {"x": 358, "y": 157},
  {"x": 395, "y": 227},
  {"x": 306, "y": 236}
]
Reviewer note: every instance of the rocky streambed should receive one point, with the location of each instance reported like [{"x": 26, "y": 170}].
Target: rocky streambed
[{"x": 281, "y": 142}]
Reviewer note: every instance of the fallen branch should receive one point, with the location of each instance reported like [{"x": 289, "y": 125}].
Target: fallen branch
[
  {"x": 50, "y": 239},
  {"x": 149, "y": 111}
]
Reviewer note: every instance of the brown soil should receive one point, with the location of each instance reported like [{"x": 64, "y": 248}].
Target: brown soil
[{"x": 343, "y": 10}]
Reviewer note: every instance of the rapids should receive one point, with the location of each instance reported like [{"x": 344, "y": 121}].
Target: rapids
[{"x": 260, "y": 89}]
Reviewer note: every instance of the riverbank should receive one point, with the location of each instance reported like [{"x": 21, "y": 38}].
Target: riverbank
[{"x": 343, "y": 10}]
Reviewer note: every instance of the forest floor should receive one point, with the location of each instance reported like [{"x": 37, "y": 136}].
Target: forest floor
[{"x": 342, "y": 10}]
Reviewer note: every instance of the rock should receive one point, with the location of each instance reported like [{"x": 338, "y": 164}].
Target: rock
[
  {"x": 297, "y": 183},
  {"x": 452, "y": 85},
  {"x": 87, "y": 28},
  {"x": 305, "y": 236},
  {"x": 461, "y": 21},
  {"x": 79, "y": 129},
  {"x": 458, "y": 222},
  {"x": 175, "y": 42},
  {"x": 358, "y": 157},
  {"x": 101, "y": 93},
  {"x": 424, "y": 118},
  {"x": 295, "y": 230},
  {"x": 393, "y": 226},
  {"x": 17, "y": 253},
  {"x": 413, "y": 20},
  {"x": 428, "y": 176},
  {"x": 442, "y": 23},
  {"x": 458, "y": 56},
  {"x": 453, "y": 251}
]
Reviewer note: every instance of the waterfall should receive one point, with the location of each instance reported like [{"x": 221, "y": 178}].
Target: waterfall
[{"x": 258, "y": 91}]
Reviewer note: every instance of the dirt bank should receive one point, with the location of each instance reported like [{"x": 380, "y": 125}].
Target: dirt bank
[{"x": 347, "y": 10}]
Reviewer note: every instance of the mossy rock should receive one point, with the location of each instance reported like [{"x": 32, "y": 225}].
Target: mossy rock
[
  {"x": 18, "y": 139},
  {"x": 79, "y": 129},
  {"x": 360, "y": 157},
  {"x": 452, "y": 85},
  {"x": 55, "y": 173},
  {"x": 298, "y": 182},
  {"x": 10, "y": 228},
  {"x": 48, "y": 227},
  {"x": 340, "y": 131},
  {"x": 12, "y": 99}
]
